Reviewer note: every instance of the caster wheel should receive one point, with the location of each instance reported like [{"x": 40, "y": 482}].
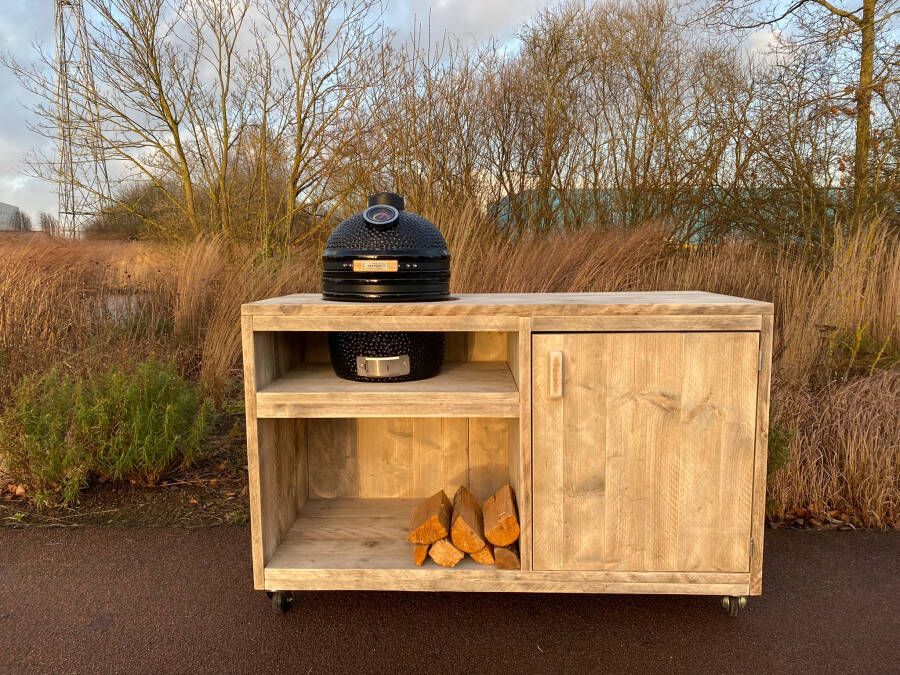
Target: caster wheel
[
  {"x": 281, "y": 600},
  {"x": 733, "y": 604}
]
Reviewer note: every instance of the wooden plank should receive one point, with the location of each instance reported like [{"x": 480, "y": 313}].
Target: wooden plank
[
  {"x": 646, "y": 323},
  {"x": 461, "y": 390},
  {"x": 254, "y": 487},
  {"x": 385, "y": 455},
  {"x": 332, "y": 458},
  {"x": 488, "y": 455},
  {"x": 513, "y": 305},
  {"x": 440, "y": 457},
  {"x": 761, "y": 456},
  {"x": 645, "y": 462},
  {"x": 381, "y": 321},
  {"x": 548, "y": 453},
  {"x": 282, "y": 479},
  {"x": 521, "y": 471},
  {"x": 717, "y": 440}
]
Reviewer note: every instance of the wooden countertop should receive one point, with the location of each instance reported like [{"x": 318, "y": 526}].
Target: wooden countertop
[{"x": 519, "y": 304}]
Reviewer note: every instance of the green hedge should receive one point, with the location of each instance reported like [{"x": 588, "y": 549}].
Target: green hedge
[{"x": 133, "y": 424}]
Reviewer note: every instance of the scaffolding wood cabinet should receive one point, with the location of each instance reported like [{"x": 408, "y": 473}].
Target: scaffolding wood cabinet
[{"x": 632, "y": 426}]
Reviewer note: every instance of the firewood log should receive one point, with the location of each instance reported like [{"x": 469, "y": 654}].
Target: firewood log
[
  {"x": 445, "y": 553},
  {"x": 507, "y": 557},
  {"x": 467, "y": 526},
  {"x": 501, "y": 526},
  {"x": 420, "y": 553},
  {"x": 485, "y": 556},
  {"x": 430, "y": 520}
]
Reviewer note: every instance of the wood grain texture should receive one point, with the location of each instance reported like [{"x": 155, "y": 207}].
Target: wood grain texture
[
  {"x": 521, "y": 474},
  {"x": 516, "y": 304},
  {"x": 761, "y": 455},
  {"x": 333, "y": 458},
  {"x": 429, "y": 521},
  {"x": 420, "y": 554},
  {"x": 501, "y": 522},
  {"x": 445, "y": 554},
  {"x": 507, "y": 557},
  {"x": 488, "y": 455},
  {"x": 254, "y": 487},
  {"x": 562, "y": 324},
  {"x": 646, "y": 462},
  {"x": 282, "y": 476},
  {"x": 466, "y": 524},
  {"x": 461, "y": 389}
]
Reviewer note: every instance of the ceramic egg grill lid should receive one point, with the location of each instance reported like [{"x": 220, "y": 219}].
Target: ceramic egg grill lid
[{"x": 386, "y": 254}]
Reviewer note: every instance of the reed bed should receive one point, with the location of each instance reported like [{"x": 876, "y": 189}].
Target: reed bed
[{"x": 836, "y": 376}]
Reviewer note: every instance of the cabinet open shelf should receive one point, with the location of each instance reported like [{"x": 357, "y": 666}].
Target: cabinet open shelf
[
  {"x": 363, "y": 535},
  {"x": 463, "y": 389}
]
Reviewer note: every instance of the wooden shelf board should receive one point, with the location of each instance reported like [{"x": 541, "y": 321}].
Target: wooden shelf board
[
  {"x": 467, "y": 389},
  {"x": 358, "y": 534}
]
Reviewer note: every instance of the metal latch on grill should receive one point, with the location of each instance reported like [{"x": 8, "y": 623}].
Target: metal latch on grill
[{"x": 383, "y": 366}]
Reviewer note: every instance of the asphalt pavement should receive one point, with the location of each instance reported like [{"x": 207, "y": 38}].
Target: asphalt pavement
[{"x": 178, "y": 600}]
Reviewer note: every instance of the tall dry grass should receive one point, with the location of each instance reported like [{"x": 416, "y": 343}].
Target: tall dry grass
[{"x": 836, "y": 389}]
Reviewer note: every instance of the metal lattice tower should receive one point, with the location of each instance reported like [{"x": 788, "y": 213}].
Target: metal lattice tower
[{"x": 83, "y": 179}]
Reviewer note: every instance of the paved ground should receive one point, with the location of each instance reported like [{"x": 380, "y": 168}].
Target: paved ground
[{"x": 167, "y": 600}]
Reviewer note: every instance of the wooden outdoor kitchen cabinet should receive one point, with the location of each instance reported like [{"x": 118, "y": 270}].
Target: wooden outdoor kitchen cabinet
[{"x": 632, "y": 426}]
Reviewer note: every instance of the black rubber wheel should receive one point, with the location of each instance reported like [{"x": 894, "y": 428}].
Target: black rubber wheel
[
  {"x": 733, "y": 604},
  {"x": 281, "y": 600}
]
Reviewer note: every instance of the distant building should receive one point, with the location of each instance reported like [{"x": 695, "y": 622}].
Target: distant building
[{"x": 9, "y": 217}]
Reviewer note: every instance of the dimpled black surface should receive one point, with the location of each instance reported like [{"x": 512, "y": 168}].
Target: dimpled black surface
[
  {"x": 425, "y": 350},
  {"x": 413, "y": 232}
]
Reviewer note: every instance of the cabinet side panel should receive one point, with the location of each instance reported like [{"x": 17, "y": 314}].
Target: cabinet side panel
[
  {"x": 764, "y": 383},
  {"x": 282, "y": 478},
  {"x": 252, "y": 451}
]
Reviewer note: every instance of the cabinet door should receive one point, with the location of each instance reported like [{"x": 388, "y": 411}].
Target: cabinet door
[{"x": 643, "y": 450}]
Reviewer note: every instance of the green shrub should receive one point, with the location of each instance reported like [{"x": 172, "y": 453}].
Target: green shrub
[{"x": 131, "y": 424}]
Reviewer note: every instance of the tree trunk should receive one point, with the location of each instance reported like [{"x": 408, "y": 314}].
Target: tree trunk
[{"x": 864, "y": 109}]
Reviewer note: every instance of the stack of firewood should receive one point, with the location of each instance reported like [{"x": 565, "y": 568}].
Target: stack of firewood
[{"x": 446, "y": 532}]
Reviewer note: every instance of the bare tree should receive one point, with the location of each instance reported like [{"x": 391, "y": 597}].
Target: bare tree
[{"x": 821, "y": 25}]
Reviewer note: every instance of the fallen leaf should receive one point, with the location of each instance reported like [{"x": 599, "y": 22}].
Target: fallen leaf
[
  {"x": 20, "y": 491},
  {"x": 193, "y": 500}
]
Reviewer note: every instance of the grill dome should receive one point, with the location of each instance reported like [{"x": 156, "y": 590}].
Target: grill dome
[{"x": 386, "y": 254}]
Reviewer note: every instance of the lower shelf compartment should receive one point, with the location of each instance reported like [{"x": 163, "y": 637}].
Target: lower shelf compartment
[
  {"x": 360, "y": 544},
  {"x": 363, "y": 535}
]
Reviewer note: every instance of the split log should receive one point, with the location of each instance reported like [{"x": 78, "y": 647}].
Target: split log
[
  {"x": 507, "y": 557},
  {"x": 420, "y": 553},
  {"x": 467, "y": 526},
  {"x": 444, "y": 553},
  {"x": 485, "y": 556},
  {"x": 501, "y": 526},
  {"x": 430, "y": 520}
]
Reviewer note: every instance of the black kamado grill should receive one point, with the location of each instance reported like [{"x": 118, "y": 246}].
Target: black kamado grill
[{"x": 386, "y": 254}]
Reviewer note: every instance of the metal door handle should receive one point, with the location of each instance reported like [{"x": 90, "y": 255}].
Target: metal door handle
[{"x": 555, "y": 384}]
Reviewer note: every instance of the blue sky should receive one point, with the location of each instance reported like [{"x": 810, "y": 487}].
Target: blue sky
[{"x": 22, "y": 22}]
